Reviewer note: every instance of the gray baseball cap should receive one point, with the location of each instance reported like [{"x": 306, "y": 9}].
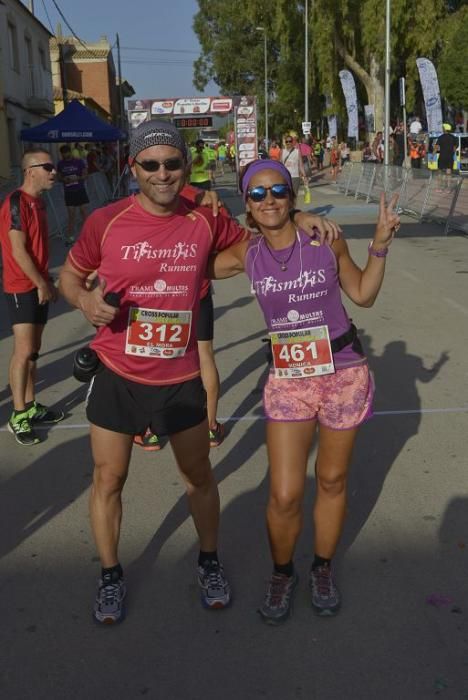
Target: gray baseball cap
[{"x": 156, "y": 132}]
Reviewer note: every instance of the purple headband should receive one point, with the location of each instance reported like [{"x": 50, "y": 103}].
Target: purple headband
[{"x": 257, "y": 166}]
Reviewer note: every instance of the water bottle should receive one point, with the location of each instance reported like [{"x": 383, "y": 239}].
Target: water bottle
[{"x": 86, "y": 361}]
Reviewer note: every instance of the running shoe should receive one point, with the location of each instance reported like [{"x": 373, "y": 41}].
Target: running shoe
[
  {"x": 215, "y": 591},
  {"x": 149, "y": 441},
  {"x": 216, "y": 435},
  {"x": 109, "y": 607},
  {"x": 41, "y": 414},
  {"x": 326, "y": 599},
  {"x": 278, "y": 604},
  {"x": 20, "y": 426}
]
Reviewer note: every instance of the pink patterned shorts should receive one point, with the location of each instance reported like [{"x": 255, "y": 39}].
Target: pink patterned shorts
[{"x": 339, "y": 401}]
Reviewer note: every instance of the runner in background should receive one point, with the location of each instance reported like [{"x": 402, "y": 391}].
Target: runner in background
[
  {"x": 274, "y": 151},
  {"x": 72, "y": 173},
  {"x": 200, "y": 176},
  {"x": 222, "y": 155},
  {"x": 28, "y": 290},
  {"x": 320, "y": 379}
]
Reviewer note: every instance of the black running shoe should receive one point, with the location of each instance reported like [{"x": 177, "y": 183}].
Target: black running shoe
[
  {"x": 43, "y": 415},
  {"x": 20, "y": 426},
  {"x": 109, "y": 607}
]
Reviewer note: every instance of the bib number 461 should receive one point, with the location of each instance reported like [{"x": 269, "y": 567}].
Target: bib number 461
[{"x": 297, "y": 352}]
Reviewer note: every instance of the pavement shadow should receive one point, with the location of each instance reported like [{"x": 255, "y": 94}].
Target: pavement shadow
[
  {"x": 382, "y": 439},
  {"x": 239, "y": 303},
  {"x": 36, "y": 494}
]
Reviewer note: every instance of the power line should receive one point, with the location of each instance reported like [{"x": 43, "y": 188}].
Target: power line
[
  {"x": 67, "y": 24},
  {"x": 48, "y": 18},
  {"x": 157, "y": 63},
  {"x": 145, "y": 48}
]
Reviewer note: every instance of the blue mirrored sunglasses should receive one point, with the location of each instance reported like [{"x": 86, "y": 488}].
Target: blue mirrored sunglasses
[{"x": 258, "y": 194}]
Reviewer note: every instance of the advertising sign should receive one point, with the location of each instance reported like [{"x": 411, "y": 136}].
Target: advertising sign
[
  {"x": 182, "y": 105},
  {"x": 349, "y": 91},
  {"x": 245, "y": 128},
  {"x": 431, "y": 92}
]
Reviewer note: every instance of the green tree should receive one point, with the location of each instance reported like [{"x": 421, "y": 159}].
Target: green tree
[{"x": 452, "y": 65}]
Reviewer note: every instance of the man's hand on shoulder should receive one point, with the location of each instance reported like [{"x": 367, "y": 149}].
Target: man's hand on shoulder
[{"x": 328, "y": 230}]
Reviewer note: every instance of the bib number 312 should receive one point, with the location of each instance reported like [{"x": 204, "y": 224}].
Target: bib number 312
[{"x": 155, "y": 333}]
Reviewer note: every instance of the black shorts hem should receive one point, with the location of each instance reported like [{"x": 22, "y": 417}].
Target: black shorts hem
[
  {"x": 24, "y": 307},
  {"x": 127, "y": 407}
]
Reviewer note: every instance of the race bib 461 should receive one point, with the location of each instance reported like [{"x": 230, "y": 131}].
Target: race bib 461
[{"x": 302, "y": 353}]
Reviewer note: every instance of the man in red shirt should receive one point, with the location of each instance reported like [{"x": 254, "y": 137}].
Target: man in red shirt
[
  {"x": 28, "y": 290},
  {"x": 150, "y": 250}
]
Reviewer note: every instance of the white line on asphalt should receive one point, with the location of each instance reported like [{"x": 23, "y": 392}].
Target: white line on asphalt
[
  {"x": 456, "y": 305},
  {"x": 251, "y": 419},
  {"x": 410, "y": 276}
]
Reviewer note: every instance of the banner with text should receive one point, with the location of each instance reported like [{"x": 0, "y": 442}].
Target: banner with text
[
  {"x": 431, "y": 92},
  {"x": 245, "y": 129},
  {"x": 349, "y": 91}
]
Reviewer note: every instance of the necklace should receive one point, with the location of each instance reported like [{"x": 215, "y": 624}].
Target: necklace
[{"x": 282, "y": 263}]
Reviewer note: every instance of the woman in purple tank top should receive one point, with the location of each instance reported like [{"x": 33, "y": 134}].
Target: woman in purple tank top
[{"x": 319, "y": 380}]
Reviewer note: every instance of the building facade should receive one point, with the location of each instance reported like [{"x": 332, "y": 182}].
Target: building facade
[
  {"x": 25, "y": 76},
  {"x": 87, "y": 69}
]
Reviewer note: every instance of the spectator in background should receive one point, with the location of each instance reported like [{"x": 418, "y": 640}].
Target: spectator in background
[
  {"x": 416, "y": 152},
  {"x": 378, "y": 147},
  {"x": 274, "y": 151},
  {"x": 107, "y": 164},
  {"x": 398, "y": 145},
  {"x": 447, "y": 145},
  {"x": 72, "y": 172},
  {"x": 292, "y": 160},
  {"x": 79, "y": 151},
  {"x": 415, "y": 126},
  {"x": 306, "y": 154},
  {"x": 92, "y": 159}
]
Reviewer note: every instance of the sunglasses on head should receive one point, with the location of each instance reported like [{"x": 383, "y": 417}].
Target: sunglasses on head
[
  {"x": 258, "y": 194},
  {"x": 47, "y": 166},
  {"x": 288, "y": 140},
  {"x": 152, "y": 166}
]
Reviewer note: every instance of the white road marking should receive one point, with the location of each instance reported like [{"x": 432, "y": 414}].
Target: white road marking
[
  {"x": 456, "y": 305},
  {"x": 251, "y": 419}
]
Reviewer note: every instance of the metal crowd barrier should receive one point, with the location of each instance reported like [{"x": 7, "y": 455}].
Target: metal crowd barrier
[
  {"x": 99, "y": 193},
  {"x": 424, "y": 194}
]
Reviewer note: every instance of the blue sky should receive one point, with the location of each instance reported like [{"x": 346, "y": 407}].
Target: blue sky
[{"x": 146, "y": 24}]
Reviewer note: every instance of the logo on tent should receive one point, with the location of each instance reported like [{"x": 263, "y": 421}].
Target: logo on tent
[{"x": 54, "y": 134}]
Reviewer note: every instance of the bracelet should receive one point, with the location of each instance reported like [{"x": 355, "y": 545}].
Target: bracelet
[{"x": 377, "y": 253}]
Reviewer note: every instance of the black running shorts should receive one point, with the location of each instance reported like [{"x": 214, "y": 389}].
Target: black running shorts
[
  {"x": 76, "y": 198},
  {"x": 118, "y": 404},
  {"x": 205, "y": 323},
  {"x": 24, "y": 307}
]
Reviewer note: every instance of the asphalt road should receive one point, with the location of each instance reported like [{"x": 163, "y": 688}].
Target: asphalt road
[{"x": 402, "y": 565}]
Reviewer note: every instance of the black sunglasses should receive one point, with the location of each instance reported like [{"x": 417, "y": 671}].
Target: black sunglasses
[
  {"x": 288, "y": 140},
  {"x": 47, "y": 166},
  {"x": 152, "y": 166},
  {"x": 258, "y": 194}
]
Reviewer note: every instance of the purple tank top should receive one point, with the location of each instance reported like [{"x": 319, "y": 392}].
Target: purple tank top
[{"x": 304, "y": 295}]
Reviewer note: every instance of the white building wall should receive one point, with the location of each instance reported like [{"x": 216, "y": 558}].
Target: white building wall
[{"x": 25, "y": 72}]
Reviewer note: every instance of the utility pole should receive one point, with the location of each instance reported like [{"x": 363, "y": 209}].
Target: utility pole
[
  {"x": 387, "y": 84},
  {"x": 119, "y": 77},
  {"x": 306, "y": 61}
]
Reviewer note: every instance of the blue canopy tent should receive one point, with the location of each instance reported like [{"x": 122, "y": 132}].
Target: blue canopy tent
[{"x": 74, "y": 123}]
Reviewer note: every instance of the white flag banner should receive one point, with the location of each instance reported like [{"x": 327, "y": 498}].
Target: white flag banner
[
  {"x": 369, "y": 113},
  {"x": 349, "y": 91},
  {"x": 431, "y": 92},
  {"x": 332, "y": 126}
]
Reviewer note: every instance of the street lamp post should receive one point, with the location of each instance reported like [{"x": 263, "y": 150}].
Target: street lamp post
[
  {"x": 387, "y": 84},
  {"x": 306, "y": 61},
  {"x": 265, "y": 60}
]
